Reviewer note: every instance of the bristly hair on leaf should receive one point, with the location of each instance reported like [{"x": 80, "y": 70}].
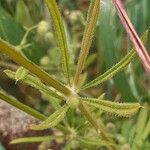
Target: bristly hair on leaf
[
  {"x": 116, "y": 68},
  {"x": 87, "y": 38},
  {"x": 52, "y": 120},
  {"x": 118, "y": 109},
  {"x": 60, "y": 36}
]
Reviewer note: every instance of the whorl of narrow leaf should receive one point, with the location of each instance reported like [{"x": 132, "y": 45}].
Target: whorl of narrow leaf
[
  {"x": 34, "y": 139},
  {"x": 140, "y": 49},
  {"x": 116, "y": 68},
  {"x": 34, "y": 82},
  {"x": 60, "y": 35},
  {"x": 10, "y": 50},
  {"x": 52, "y": 120},
  {"x": 22, "y": 107},
  {"x": 87, "y": 37},
  {"x": 118, "y": 109}
]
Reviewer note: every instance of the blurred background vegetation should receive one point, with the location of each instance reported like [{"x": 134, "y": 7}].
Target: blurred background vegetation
[{"x": 26, "y": 24}]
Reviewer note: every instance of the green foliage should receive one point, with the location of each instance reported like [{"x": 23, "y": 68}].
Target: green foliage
[
  {"x": 118, "y": 109},
  {"x": 118, "y": 67},
  {"x": 71, "y": 100},
  {"x": 22, "y": 107},
  {"x": 60, "y": 35},
  {"x": 52, "y": 120},
  {"x": 87, "y": 37}
]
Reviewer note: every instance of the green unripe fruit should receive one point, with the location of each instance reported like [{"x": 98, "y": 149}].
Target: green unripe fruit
[{"x": 73, "y": 101}]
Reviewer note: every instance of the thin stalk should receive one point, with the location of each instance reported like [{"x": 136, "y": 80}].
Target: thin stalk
[
  {"x": 22, "y": 107},
  {"x": 20, "y": 59},
  {"x": 100, "y": 128}
]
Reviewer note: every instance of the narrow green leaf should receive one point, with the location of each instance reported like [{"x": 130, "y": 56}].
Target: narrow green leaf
[
  {"x": 60, "y": 35},
  {"x": 99, "y": 127},
  {"x": 22, "y": 14},
  {"x": 142, "y": 119},
  {"x": 146, "y": 130},
  {"x": 52, "y": 120},
  {"x": 9, "y": 50},
  {"x": 22, "y": 107},
  {"x": 112, "y": 71},
  {"x": 34, "y": 82},
  {"x": 87, "y": 37},
  {"x": 118, "y": 109},
  {"x": 34, "y": 139},
  {"x": 12, "y": 101},
  {"x": 140, "y": 126},
  {"x": 93, "y": 142},
  {"x": 116, "y": 68}
]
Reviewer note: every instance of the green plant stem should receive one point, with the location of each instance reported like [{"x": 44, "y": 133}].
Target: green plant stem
[
  {"x": 22, "y": 107},
  {"x": 88, "y": 116},
  {"x": 20, "y": 59},
  {"x": 94, "y": 123},
  {"x": 29, "y": 111},
  {"x": 35, "y": 139}
]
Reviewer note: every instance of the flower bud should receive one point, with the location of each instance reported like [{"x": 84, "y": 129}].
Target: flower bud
[
  {"x": 48, "y": 37},
  {"x": 44, "y": 60},
  {"x": 42, "y": 28},
  {"x": 126, "y": 147}
]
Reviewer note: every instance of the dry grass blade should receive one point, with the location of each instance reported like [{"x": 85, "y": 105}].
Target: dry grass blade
[
  {"x": 140, "y": 49},
  {"x": 116, "y": 68}
]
